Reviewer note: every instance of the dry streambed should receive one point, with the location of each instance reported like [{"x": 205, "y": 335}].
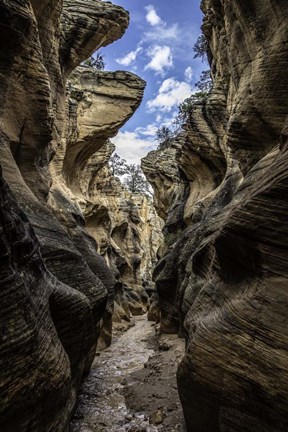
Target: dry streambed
[{"x": 131, "y": 386}]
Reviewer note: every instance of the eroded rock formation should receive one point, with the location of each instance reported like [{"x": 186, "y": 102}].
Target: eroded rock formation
[
  {"x": 227, "y": 270},
  {"x": 54, "y": 285},
  {"x": 127, "y": 230}
]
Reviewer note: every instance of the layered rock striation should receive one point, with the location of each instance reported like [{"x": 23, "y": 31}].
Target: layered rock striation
[
  {"x": 226, "y": 271},
  {"x": 54, "y": 284},
  {"x": 127, "y": 231}
]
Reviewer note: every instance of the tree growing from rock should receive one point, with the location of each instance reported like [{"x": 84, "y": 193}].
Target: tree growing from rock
[
  {"x": 117, "y": 165},
  {"x": 205, "y": 82},
  {"x": 96, "y": 61},
  {"x": 135, "y": 181},
  {"x": 132, "y": 175},
  {"x": 186, "y": 107},
  {"x": 201, "y": 48},
  {"x": 164, "y": 136}
]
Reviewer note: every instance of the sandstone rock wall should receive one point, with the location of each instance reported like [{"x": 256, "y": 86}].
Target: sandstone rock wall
[
  {"x": 126, "y": 228},
  {"x": 227, "y": 270},
  {"x": 54, "y": 285}
]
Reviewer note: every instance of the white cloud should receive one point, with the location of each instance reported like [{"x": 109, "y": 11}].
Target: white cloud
[
  {"x": 163, "y": 33},
  {"x": 149, "y": 130},
  {"x": 188, "y": 74},
  {"x": 161, "y": 58},
  {"x": 152, "y": 17},
  {"x": 170, "y": 94},
  {"x": 130, "y": 57},
  {"x": 130, "y": 146}
]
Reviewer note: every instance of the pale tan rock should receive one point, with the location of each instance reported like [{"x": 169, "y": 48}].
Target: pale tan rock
[
  {"x": 161, "y": 170},
  {"x": 126, "y": 227},
  {"x": 99, "y": 104}
]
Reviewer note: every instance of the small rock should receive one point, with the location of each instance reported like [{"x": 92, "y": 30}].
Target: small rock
[
  {"x": 152, "y": 428},
  {"x": 140, "y": 415},
  {"x": 157, "y": 417},
  {"x": 163, "y": 346}
]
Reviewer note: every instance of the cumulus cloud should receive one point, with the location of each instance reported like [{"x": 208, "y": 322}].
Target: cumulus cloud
[
  {"x": 149, "y": 130},
  {"x": 163, "y": 33},
  {"x": 152, "y": 17},
  {"x": 161, "y": 58},
  {"x": 130, "y": 146},
  {"x": 130, "y": 57},
  {"x": 188, "y": 74},
  {"x": 170, "y": 94}
]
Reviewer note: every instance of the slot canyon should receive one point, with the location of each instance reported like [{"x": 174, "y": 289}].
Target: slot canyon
[{"x": 164, "y": 309}]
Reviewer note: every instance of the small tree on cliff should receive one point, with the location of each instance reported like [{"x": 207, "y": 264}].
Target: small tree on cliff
[
  {"x": 186, "y": 107},
  {"x": 135, "y": 181},
  {"x": 164, "y": 136},
  {"x": 201, "y": 47},
  {"x": 205, "y": 82},
  {"x": 118, "y": 166},
  {"x": 96, "y": 61}
]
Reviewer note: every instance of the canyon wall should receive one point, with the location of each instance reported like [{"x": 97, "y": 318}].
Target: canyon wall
[
  {"x": 55, "y": 287},
  {"x": 223, "y": 277}
]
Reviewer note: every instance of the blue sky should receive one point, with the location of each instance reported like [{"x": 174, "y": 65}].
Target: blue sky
[{"x": 158, "y": 46}]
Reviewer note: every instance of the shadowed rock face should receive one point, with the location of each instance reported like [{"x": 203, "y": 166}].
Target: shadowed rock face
[
  {"x": 46, "y": 330},
  {"x": 227, "y": 270},
  {"x": 54, "y": 285}
]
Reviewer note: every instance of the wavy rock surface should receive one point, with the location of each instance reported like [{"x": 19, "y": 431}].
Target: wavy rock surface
[
  {"x": 126, "y": 229},
  {"x": 46, "y": 331},
  {"x": 123, "y": 227},
  {"x": 55, "y": 283},
  {"x": 230, "y": 285},
  {"x": 161, "y": 170}
]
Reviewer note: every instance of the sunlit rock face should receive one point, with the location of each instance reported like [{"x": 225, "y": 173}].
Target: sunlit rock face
[
  {"x": 124, "y": 228},
  {"x": 98, "y": 104},
  {"x": 55, "y": 284},
  {"x": 127, "y": 231},
  {"x": 161, "y": 170},
  {"x": 227, "y": 270}
]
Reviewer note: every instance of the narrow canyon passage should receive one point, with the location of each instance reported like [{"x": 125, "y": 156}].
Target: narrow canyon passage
[
  {"x": 163, "y": 194},
  {"x": 124, "y": 369}
]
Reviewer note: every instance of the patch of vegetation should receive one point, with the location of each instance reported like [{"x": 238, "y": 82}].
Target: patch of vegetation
[
  {"x": 118, "y": 166},
  {"x": 201, "y": 47},
  {"x": 132, "y": 175},
  {"x": 205, "y": 82},
  {"x": 187, "y": 106},
  {"x": 96, "y": 61},
  {"x": 164, "y": 136},
  {"x": 135, "y": 181}
]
